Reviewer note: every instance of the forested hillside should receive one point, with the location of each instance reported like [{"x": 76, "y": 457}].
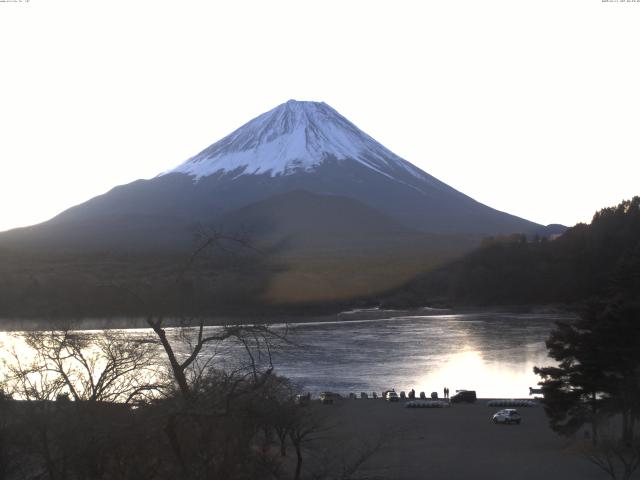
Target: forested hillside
[{"x": 595, "y": 260}]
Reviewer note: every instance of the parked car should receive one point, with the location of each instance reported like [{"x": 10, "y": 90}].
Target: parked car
[
  {"x": 468, "y": 396},
  {"x": 391, "y": 396},
  {"x": 507, "y": 416},
  {"x": 302, "y": 399},
  {"x": 328, "y": 397}
]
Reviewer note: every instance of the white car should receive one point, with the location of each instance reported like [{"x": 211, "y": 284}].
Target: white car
[
  {"x": 391, "y": 396},
  {"x": 507, "y": 416}
]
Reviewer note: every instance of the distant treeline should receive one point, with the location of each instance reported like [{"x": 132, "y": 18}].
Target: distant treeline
[
  {"x": 112, "y": 285},
  {"x": 601, "y": 259},
  {"x": 223, "y": 280},
  {"x": 69, "y": 288}
]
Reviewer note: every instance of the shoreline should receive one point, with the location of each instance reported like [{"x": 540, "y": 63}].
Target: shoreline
[{"x": 357, "y": 314}]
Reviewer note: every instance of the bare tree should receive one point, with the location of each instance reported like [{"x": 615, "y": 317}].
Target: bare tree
[
  {"x": 256, "y": 339},
  {"x": 103, "y": 373},
  {"x": 10, "y": 456},
  {"x": 350, "y": 468},
  {"x": 215, "y": 402},
  {"x": 618, "y": 458},
  {"x": 106, "y": 367},
  {"x": 304, "y": 428}
]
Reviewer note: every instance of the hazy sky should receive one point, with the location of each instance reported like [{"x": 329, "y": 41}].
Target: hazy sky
[{"x": 532, "y": 107}]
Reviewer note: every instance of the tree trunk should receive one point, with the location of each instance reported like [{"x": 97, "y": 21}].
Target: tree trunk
[
  {"x": 299, "y": 462},
  {"x": 594, "y": 420},
  {"x": 178, "y": 371},
  {"x": 49, "y": 463},
  {"x": 626, "y": 433},
  {"x": 172, "y": 436},
  {"x": 282, "y": 436}
]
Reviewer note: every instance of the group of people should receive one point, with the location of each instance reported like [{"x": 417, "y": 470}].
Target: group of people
[{"x": 446, "y": 392}]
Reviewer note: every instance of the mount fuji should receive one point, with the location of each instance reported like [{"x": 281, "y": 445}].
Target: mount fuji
[
  {"x": 293, "y": 138},
  {"x": 342, "y": 215},
  {"x": 310, "y": 146},
  {"x": 296, "y": 147}
]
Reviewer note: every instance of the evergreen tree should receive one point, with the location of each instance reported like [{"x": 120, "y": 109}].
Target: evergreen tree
[{"x": 598, "y": 372}]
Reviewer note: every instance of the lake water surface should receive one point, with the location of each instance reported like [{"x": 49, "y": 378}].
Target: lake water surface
[{"x": 491, "y": 353}]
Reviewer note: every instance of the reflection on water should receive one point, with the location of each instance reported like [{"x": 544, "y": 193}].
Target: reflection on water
[
  {"x": 490, "y": 353},
  {"x": 493, "y": 354}
]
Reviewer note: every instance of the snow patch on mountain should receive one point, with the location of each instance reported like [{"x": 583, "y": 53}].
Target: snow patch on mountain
[{"x": 293, "y": 137}]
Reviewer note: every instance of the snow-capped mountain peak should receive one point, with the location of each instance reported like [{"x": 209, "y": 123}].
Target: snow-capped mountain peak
[{"x": 293, "y": 137}]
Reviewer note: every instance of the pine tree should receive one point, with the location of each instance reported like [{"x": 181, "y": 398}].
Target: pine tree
[{"x": 598, "y": 372}]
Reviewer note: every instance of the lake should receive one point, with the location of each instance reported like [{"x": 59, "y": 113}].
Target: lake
[{"x": 491, "y": 353}]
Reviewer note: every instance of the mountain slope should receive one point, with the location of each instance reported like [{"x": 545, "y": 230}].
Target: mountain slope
[
  {"x": 309, "y": 145},
  {"x": 296, "y": 146},
  {"x": 306, "y": 220},
  {"x": 303, "y": 253},
  {"x": 324, "y": 257},
  {"x": 337, "y": 215}
]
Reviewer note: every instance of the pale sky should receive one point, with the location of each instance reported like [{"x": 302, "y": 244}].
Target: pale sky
[{"x": 531, "y": 107}]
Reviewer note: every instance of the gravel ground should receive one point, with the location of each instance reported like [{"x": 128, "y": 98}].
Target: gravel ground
[{"x": 458, "y": 442}]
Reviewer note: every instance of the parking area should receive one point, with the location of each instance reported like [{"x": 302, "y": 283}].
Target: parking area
[{"x": 457, "y": 442}]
